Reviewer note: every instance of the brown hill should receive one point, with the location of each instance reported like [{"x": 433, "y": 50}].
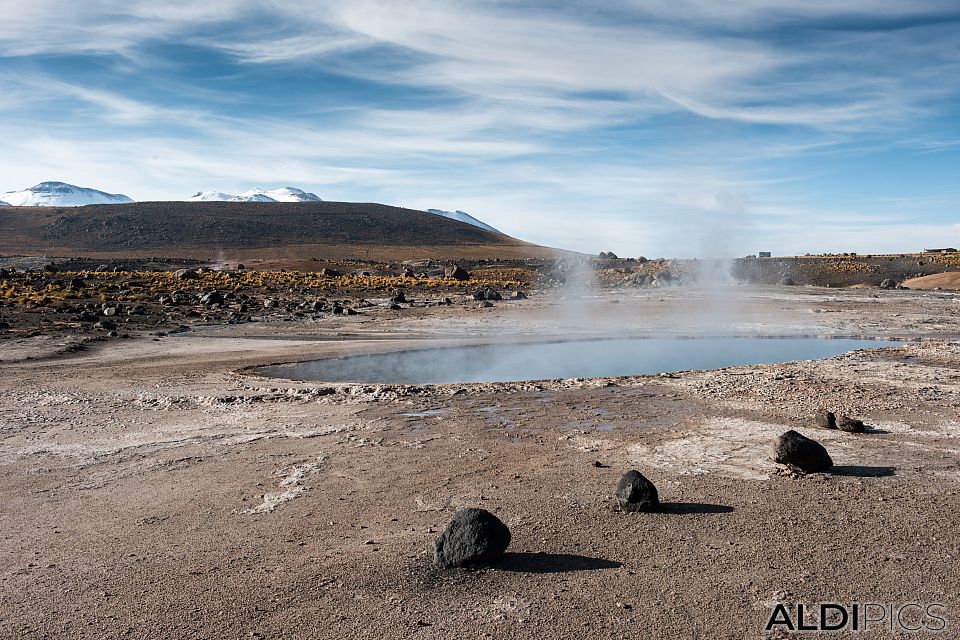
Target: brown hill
[
  {"x": 251, "y": 230},
  {"x": 949, "y": 281}
]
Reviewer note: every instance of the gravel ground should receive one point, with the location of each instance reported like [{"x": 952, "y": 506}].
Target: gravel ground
[{"x": 157, "y": 487}]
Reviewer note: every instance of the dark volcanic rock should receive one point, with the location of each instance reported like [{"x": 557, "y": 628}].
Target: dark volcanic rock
[
  {"x": 636, "y": 493},
  {"x": 212, "y": 298},
  {"x": 801, "y": 452},
  {"x": 399, "y": 296},
  {"x": 186, "y": 274},
  {"x": 518, "y": 295},
  {"x": 330, "y": 273},
  {"x": 456, "y": 272},
  {"x": 786, "y": 281},
  {"x": 850, "y": 425},
  {"x": 826, "y": 419},
  {"x": 474, "y": 537},
  {"x": 492, "y": 294}
]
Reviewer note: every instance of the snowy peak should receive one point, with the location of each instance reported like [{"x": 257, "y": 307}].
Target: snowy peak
[
  {"x": 462, "y": 216},
  {"x": 209, "y": 196},
  {"x": 4, "y": 204},
  {"x": 283, "y": 194},
  {"x": 60, "y": 194},
  {"x": 287, "y": 194}
]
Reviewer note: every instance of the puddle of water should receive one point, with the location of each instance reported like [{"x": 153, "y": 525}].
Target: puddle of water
[{"x": 572, "y": 359}]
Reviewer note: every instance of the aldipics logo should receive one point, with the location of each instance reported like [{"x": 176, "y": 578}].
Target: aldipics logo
[{"x": 857, "y": 617}]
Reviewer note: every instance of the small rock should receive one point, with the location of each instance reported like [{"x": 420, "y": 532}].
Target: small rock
[
  {"x": 850, "y": 425},
  {"x": 185, "y": 274},
  {"x": 801, "y": 453},
  {"x": 826, "y": 419},
  {"x": 330, "y": 273},
  {"x": 518, "y": 295},
  {"x": 636, "y": 493},
  {"x": 474, "y": 537},
  {"x": 107, "y": 325},
  {"x": 486, "y": 304},
  {"x": 888, "y": 283}
]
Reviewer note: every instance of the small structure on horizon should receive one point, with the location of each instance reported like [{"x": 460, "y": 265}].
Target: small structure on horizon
[
  {"x": 763, "y": 254},
  {"x": 947, "y": 250}
]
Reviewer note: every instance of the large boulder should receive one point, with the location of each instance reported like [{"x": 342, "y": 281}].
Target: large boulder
[
  {"x": 888, "y": 283},
  {"x": 456, "y": 272},
  {"x": 474, "y": 537},
  {"x": 850, "y": 425},
  {"x": 801, "y": 453},
  {"x": 636, "y": 493}
]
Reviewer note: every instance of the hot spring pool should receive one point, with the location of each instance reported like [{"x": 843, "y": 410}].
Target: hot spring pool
[{"x": 570, "y": 359}]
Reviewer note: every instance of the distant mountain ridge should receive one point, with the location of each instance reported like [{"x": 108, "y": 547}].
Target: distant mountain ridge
[{"x": 61, "y": 194}]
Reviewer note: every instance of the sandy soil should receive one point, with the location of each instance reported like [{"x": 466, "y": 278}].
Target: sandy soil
[{"x": 157, "y": 488}]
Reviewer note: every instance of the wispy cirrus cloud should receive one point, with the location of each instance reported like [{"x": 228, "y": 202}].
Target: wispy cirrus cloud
[{"x": 652, "y": 119}]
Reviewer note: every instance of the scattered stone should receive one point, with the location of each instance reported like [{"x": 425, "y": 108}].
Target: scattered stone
[
  {"x": 635, "y": 493},
  {"x": 850, "y": 425},
  {"x": 518, "y": 295},
  {"x": 185, "y": 274},
  {"x": 107, "y": 325},
  {"x": 77, "y": 283},
  {"x": 801, "y": 453},
  {"x": 486, "y": 304},
  {"x": 330, "y": 273},
  {"x": 474, "y": 537},
  {"x": 456, "y": 272},
  {"x": 399, "y": 296},
  {"x": 826, "y": 419},
  {"x": 888, "y": 283},
  {"x": 109, "y": 311},
  {"x": 786, "y": 281},
  {"x": 394, "y": 306}
]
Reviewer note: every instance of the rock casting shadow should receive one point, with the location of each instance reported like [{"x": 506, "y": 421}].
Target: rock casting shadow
[
  {"x": 684, "y": 508},
  {"x": 874, "y": 430},
  {"x": 553, "y": 563},
  {"x": 860, "y": 471}
]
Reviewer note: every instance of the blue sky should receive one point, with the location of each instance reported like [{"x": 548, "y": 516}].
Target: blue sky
[{"x": 646, "y": 127}]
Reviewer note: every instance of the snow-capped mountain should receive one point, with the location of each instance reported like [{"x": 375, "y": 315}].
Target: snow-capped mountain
[
  {"x": 209, "y": 196},
  {"x": 283, "y": 194},
  {"x": 4, "y": 204},
  {"x": 462, "y": 216},
  {"x": 60, "y": 194}
]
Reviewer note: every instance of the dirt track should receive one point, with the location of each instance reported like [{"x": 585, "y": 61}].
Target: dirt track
[{"x": 152, "y": 491}]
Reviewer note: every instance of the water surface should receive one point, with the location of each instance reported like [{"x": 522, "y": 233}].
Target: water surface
[{"x": 573, "y": 359}]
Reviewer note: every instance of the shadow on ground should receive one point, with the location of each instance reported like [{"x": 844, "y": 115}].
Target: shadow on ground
[
  {"x": 860, "y": 471},
  {"x": 686, "y": 508},
  {"x": 553, "y": 563}
]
